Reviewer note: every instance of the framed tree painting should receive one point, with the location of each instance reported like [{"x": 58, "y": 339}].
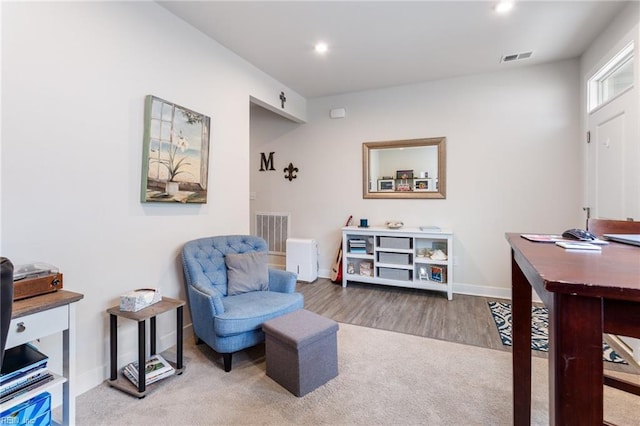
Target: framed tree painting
[{"x": 175, "y": 156}]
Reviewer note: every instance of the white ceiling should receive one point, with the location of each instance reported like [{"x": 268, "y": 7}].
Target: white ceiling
[{"x": 374, "y": 44}]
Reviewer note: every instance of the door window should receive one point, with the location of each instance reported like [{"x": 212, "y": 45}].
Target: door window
[{"x": 612, "y": 79}]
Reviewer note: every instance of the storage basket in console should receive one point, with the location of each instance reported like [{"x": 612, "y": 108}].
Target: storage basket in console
[
  {"x": 394, "y": 258},
  {"x": 394, "y": 274},
  {"x": 395, "y": 242}
]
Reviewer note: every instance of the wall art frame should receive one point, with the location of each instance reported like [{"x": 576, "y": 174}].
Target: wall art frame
[{"x": 175, "y": 155}]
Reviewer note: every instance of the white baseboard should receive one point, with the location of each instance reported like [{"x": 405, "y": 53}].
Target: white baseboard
[{"x": 483, "y": 291}]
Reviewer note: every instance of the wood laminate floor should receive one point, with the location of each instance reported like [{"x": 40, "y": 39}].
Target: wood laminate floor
[{"x": 465, "y": 319}]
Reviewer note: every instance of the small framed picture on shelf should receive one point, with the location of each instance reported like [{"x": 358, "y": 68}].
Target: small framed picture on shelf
[
  {"x": 423, "y": 274},
  {"x": 350, "y": 268},
  {"x": 404, "y": 174},
  {"x": 421, "y": 185},
  {"x": 365, "y": 269},
  {"x": 386, "y": 185},
  {"x": 403, "y": 187},
  {"x": 438, "y": 274}
]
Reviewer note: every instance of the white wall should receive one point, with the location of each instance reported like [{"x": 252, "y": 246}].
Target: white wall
[
  {"x": 74, "y": 78},
  {"x": 513, "y": 163}
]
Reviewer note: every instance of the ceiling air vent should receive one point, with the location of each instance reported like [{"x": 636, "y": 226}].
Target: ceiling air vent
[{"x": 516, "y": 57}]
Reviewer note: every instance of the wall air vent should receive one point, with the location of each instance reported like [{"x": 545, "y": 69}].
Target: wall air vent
[{"x": 516, "y": 57}]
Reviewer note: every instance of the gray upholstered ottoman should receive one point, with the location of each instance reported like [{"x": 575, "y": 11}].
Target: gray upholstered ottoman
[{"x": 301, "y": 350}]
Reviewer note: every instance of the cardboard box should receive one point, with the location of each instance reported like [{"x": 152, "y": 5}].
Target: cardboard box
[{"x": 139, "y": 299}]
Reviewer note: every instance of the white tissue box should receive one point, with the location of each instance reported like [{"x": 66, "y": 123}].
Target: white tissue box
[{"x": 139, "y": 299}]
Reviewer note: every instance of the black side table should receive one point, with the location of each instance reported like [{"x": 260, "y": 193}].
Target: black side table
[{"x": 150, "y": 312}]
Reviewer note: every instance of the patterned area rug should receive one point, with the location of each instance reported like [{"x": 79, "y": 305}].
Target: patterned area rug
[{"x": 539, "y": 330}]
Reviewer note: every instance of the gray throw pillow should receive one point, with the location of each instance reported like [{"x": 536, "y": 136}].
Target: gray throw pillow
[{"x": 247, "y": 272}]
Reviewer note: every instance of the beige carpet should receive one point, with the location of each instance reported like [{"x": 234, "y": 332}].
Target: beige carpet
[{"x": 385, "y": 378}]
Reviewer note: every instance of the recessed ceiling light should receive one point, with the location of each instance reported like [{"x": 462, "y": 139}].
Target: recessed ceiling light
[
  {"x": 503, "y": 7},
  {"x": 321, "y": 47}
]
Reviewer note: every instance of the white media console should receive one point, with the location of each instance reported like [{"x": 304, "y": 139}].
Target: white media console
[{"x": 406, "y": 257}]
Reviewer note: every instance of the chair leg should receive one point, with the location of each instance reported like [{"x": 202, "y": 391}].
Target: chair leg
[{"x": 227, "y": 362}]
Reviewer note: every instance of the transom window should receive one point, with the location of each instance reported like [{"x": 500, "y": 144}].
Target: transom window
[{"x": 614, "y": 78}]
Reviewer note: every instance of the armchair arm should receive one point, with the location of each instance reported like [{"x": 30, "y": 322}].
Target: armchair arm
[
  {"x": 204, "y": 304},
  {"x": 282, "y": 281},
  {"x": 205, "y": 300}
]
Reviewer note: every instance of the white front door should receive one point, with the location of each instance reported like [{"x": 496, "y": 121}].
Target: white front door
[
  {"x": 612, "y": 159},
  {"x": 613, "y": 162}
]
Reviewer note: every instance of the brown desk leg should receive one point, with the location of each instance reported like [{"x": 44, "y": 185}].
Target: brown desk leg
[
  {"x": 521, "y": 335},
  {"x": 575, "y": 360}
]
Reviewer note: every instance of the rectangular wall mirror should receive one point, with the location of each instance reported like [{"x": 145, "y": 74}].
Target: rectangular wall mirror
[{"x": 413, "y": 168}]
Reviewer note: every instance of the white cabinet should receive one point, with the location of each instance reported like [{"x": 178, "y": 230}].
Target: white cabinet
[
  {"x": 38, "y": 317},
  {"x": 406, "y": 257}
]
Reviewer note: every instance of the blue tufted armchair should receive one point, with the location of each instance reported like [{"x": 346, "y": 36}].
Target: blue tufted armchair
[{"x": 229, "y": 323}]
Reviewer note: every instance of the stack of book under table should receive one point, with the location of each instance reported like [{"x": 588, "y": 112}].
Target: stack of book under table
[{"x": 156, "y": 368}]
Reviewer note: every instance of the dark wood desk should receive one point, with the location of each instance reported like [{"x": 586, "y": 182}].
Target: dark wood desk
[{"x": 587, "y": 294}]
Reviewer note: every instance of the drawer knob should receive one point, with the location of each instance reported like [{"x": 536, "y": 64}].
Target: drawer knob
[{"x": 21, "y": 327}]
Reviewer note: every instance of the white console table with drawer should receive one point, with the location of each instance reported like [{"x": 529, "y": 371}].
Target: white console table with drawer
[
  {"x": 41, "y": 316},
  {"x": 403, "y": 257}
]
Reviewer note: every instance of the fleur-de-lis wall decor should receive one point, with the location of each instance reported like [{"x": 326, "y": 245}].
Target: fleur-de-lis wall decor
[{"x": 289, "y": 172}]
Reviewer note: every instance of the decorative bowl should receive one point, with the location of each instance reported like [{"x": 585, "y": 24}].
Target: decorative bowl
[{"x": 394, "y": 224}]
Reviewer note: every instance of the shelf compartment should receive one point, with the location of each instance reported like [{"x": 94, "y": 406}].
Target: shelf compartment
[
  {"x": 358, "y": 256},
  {"x": 358, "y": 267},
  {"x": 359, "y": 244},
  {"x": 23, "y": 397},
  {"x": 394, "y": 266},
  {"x": 437, "y": 274},
  {"x": 424, "y": 245},
  {"x": 390, "y": 250},
  {"x": 427, "y": 261}
]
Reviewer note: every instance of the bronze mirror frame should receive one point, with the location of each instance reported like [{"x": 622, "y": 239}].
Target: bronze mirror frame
[{"x": 440, "y": 193}]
